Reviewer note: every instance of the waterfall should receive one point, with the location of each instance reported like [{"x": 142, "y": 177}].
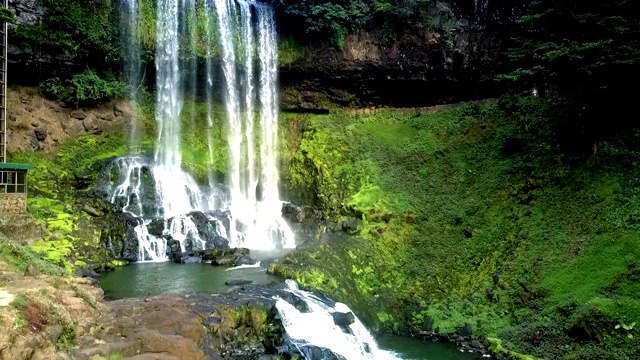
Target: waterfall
[
  {"x": 242, "y": 34},
  {"x": 131, "y": 59},
  {"x": 325, "y": 325},
  {"x": 260, "y": 215},
  {"x": 168, "y": 91}
]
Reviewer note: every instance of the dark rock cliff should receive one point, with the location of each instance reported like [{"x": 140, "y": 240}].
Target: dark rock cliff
[{"x": 416, "y": 70}]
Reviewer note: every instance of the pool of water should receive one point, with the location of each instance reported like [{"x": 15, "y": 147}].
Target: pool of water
[
  {"x": 145, "y": 279},
  {"x": 416, "y": 349}
]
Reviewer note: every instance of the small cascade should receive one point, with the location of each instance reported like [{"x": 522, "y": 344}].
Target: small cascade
[
  {"x": 323, "y": 326},
  {"x": 150, "y": 248},
  {"x": 139, "y": 187}
]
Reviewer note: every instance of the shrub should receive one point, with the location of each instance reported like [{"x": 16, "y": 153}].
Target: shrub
[{"x": 86, "y": 88}]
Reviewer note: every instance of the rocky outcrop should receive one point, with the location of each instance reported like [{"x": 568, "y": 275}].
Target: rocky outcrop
[
  {"x": 37, "y": 123},
  {"x": 242, "y": 324},
  {"x": 416, "y": 70},
  {"x": 40, "y": 314}
]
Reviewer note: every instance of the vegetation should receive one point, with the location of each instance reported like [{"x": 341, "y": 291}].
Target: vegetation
[
  {"x": 7, "y": 15},
  {"x": 19, "y": 257},
  {"x": 86, "y": 88},
  {"x": 473, "y": 217},
  {"x": 72, "y": 240},
  {"x": 331, "y": 21}
]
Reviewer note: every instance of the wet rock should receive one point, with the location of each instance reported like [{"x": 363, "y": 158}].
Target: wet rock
[
  {"x": 244, "y": 260},
  {"x": 236, "y": 282},
  {"x": 191, "y": 260},
  {"x": 78, "y": 114},
  {"x": 155, "y": 227},
  {"x": 352, "y": 226},
  {"x": 343, "y": 318},
  {"x": 217, "y": 242},
  {"x": 178, "y": 257},
  {"x": 297, "y": 302},
  {"x": 309, "y": 351}
]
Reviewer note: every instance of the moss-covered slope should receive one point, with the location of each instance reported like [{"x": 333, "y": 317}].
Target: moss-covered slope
[{"x": 462, "y": 229}]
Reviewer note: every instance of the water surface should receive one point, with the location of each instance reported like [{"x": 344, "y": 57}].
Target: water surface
[
  {"x": 144, "y": 279},
  {"x": 416, "y": 349}
]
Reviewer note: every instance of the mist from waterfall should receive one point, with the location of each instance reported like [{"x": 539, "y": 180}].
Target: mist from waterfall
[{"x": 240, "y": 37}]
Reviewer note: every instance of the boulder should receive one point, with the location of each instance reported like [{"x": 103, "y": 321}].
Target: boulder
[
  {"x": 244, "y": 260},
  {"x": 118, "y": 109},
  {"x": 343, "y": 318},
  {"x": 296, "y": 301},
  {"x": 91, "y": 126},
  {"x": 78, "y": 114},
  {"x": 40, "y": 133}
]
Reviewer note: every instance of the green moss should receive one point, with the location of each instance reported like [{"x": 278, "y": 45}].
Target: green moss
[
  {"x": 289, "y": 51},
  {"x": 18, "y": 257},
  {"x": 460, "y": 227},
  {"x": 495, "y": 345}
]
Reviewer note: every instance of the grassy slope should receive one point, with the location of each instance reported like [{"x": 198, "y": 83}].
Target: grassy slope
[{"x": 531, "y": 248}]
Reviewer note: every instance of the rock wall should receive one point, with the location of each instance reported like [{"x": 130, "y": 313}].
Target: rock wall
[
  {"x": 13, "y": 203},
  {"x": 414, "y": 71}
]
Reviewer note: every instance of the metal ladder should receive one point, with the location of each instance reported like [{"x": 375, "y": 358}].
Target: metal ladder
[{"x": 3, "y": 86}]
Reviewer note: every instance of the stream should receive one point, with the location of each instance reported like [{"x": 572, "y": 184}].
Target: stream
[{"x": 148, "y": 279}]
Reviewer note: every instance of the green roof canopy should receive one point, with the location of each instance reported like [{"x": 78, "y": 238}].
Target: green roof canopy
[{"x": 11, "y": 166}]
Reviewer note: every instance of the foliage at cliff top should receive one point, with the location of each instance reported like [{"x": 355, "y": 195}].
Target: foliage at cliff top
[
  {"x": 473, "y": 217},
  {"x": 330, "y": 20},
  {"x": 576, "y": 44},
  {"x": 82, "y": 31}
]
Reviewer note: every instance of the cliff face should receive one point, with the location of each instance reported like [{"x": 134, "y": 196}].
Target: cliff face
[
  {"x": 26, "y": 65},
  {"x": 415, "y": 70}
]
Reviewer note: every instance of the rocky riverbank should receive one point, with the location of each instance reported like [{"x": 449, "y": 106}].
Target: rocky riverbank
[{"x": 62, "y": 317}]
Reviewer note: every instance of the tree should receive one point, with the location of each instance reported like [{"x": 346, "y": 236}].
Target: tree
[{"x": 576, "y": 44}]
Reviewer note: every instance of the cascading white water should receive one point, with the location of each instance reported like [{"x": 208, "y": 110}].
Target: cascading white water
[
  {"x": 137, "y": 180},
  {"x": 226, "y": 11},
  {"x": 250, "y": 182},
  {"x": 168, "y": 91},
  {"x": 256, "y": 221},
  {"x": 317, "y": 327},
  {"x": 262, "y": 218}
]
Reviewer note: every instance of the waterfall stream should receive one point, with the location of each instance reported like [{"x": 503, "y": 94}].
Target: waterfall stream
[
  {"x": 243, "y": 36},
  {"x": 326, "y": 326}
]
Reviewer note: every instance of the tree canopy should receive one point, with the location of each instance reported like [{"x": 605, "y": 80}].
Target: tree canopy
[{"x": 576, "y": 44}]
